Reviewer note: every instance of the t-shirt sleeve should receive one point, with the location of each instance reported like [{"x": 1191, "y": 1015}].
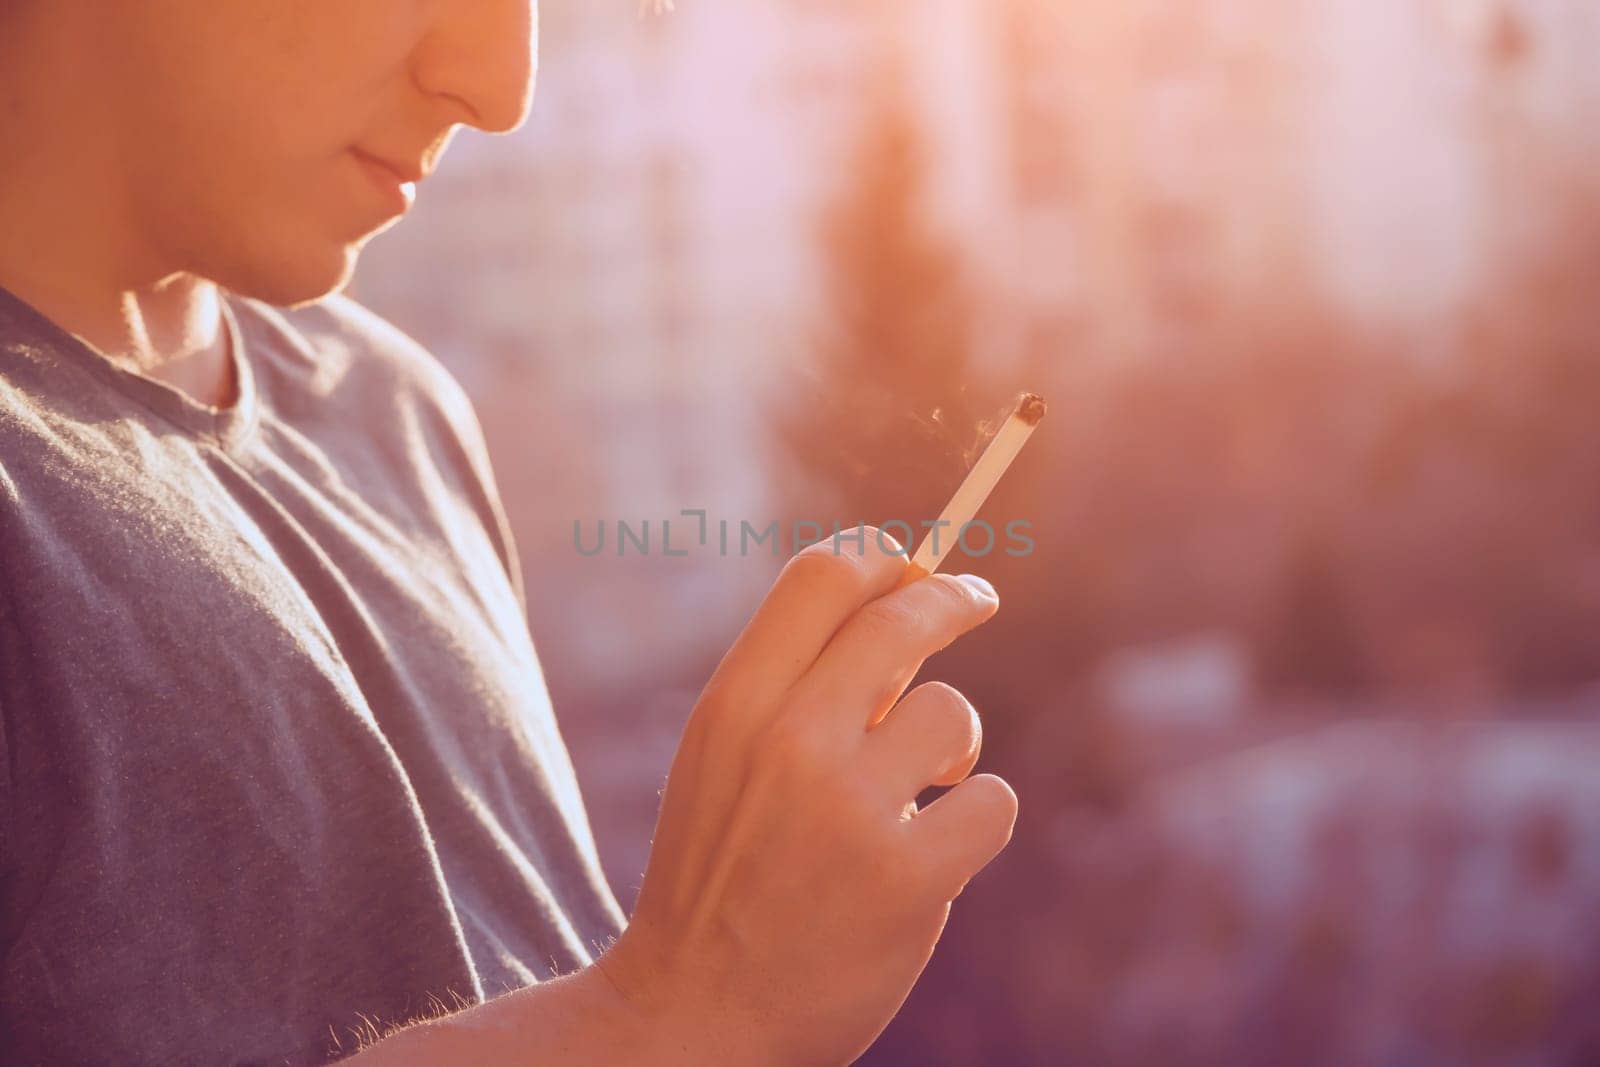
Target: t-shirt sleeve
[
  {"x": 467, "y": 453},
  {"x": 490, "y": 507}
]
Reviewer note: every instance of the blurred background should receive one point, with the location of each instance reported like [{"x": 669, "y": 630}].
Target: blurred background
[{"x": 1300, "y": 688}]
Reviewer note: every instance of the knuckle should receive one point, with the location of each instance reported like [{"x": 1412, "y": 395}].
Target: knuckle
[
  {"x": 880, "y": 538},
  {"x": 857, "y": 559},
  {"x": 941, "y": 694},
  {"x": 889, "y": 617},
  {"x": 955, "y": 596},
  {"x": 865, "y": 540},
  {"x": 823, "y": 564},
  {"x": 966, "y": 728},
  {"x": 948, "y": 701},
  {"x": 950, "y": 715},
  {"x": 792, "y": 742}
]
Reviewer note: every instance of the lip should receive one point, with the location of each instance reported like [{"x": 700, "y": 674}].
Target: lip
[{"x": 396, "y": 183}]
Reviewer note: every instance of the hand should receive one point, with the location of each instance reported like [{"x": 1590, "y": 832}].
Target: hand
[{"x": 794, "y": 891}]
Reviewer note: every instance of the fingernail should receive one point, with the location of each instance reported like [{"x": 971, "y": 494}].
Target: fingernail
[{"x": 982, "y": 587}]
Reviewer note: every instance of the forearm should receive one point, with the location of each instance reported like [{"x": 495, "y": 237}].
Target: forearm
[{"x": 580, "y": 1018}]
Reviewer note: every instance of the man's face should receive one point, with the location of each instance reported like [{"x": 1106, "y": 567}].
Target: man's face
[{"x": 251, "y": 132}]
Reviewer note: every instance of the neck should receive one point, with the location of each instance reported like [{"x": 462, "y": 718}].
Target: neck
[
  {"x": 172, "y": 332},
  {"x": 73, "y": 245}
]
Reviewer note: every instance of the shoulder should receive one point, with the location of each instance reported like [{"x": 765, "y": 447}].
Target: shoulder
[
  {"x": 393, "y": 374},
  {"x": 339, "y": 346},
  {"x": 352, "y": 380},
  {"x": 368, "y": 394}
]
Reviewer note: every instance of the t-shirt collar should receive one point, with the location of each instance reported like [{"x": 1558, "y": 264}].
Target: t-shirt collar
[{"x": 229, "y": 427}]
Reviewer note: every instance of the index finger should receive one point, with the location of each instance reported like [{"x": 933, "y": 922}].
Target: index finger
[
  {"x": 819, "y": 589},
  {"x": 874, "y": 656}
]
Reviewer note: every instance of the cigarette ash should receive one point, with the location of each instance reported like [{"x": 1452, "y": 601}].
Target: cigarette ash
[{"x": 1031, "y": 408}]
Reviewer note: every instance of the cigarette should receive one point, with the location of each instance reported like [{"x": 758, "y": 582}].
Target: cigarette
[{"x": 975, "y": 489}]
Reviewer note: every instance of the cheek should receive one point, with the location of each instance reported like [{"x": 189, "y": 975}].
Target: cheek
[
  {"x": 292, "y": 78},
  {"x": 245, "y": 110},
  {"x": 304, "y": 75}
]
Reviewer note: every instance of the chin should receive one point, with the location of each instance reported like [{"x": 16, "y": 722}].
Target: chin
[{"x": 290, "y": 277}]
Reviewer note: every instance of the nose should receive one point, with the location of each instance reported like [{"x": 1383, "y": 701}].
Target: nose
[{"x": 484, "y": 54}]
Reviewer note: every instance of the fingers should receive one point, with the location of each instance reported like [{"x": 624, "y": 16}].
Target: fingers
[
  {"x": 818, "y": 590},
  {"x": 931, "y": 737},
  {"x": 869, "y": 662},
  {"x": 957, "y": 835}
]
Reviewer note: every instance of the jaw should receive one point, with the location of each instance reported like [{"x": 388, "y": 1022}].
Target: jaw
[{"x": 284, "y": 265}]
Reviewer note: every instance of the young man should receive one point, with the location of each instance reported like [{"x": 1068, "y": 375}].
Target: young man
[{"x": 278, "y": 773}]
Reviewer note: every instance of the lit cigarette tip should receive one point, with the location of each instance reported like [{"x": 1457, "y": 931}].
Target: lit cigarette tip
[
  {"x": 980, "y": 482},
  {"x": 1031, "y": 408}
]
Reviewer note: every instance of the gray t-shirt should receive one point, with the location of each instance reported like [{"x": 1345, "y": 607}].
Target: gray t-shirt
[{"x": 277, "y": 761}]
